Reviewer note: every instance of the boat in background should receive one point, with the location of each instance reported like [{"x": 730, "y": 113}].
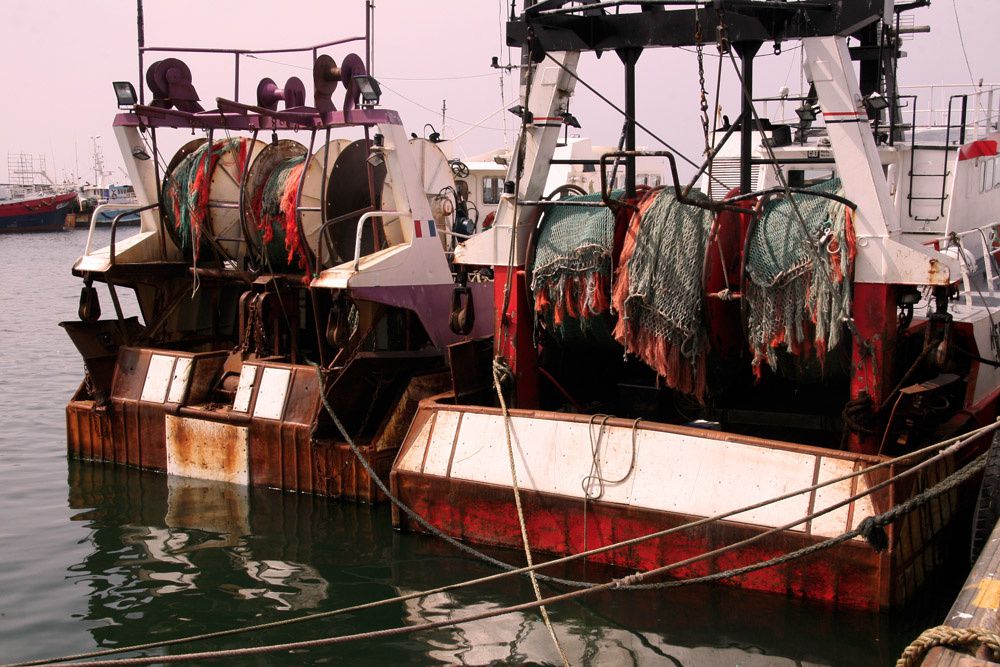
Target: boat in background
[{"x": 35, "y": 212}]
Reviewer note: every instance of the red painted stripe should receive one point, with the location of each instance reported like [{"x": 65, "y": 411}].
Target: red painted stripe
[
  {"x": 416, "y": 226},
  {"x": 980, "y": 148}
]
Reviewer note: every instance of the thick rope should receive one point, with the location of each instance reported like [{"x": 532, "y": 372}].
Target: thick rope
[
  {"x": 615, "y": 584},
  {"x": 963, "y": 639},
  {"x": 498, "y": 370},
  {"x": 954, "y": 442}
]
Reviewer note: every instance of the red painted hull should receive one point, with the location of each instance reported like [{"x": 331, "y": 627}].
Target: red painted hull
[
  {"x": 44, "y": 214},
  {"x": 850, "y": 574}
]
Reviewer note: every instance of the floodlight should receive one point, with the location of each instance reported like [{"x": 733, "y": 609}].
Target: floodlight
[
  {"x": 371, "y": 92},
  {"x": 125, "y": 92}
]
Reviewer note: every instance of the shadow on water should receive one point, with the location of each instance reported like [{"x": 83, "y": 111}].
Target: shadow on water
[{"x": 173, "y": 556}]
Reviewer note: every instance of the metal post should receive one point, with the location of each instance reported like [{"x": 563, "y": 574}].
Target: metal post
[
  {"x": 141, "y": 34},
  {"x": 746, "y": 52},
  {"x": 629, "y": 57},
  {"x": 236, "y": 84}
]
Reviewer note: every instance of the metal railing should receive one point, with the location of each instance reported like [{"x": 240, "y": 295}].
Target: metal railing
[
  {"x": 361, "y": 226},
  {"x": 236, "y": 53}
]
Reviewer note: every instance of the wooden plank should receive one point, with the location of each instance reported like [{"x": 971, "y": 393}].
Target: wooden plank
[{"x": 976, "y": 606}]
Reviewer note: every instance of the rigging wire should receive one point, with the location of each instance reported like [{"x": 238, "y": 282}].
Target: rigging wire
[
  {"x": 627, "y": 117},
  {"x": 961, "y": 40}
]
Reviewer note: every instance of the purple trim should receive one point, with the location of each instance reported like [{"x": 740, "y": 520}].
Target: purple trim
[
  {"x": 245, "y": 120},
  {"x": 432, "y": 304},
  {"x": 297, "y": 49}
]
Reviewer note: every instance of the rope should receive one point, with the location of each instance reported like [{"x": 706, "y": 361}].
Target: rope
[
  {"x": 615, "y": 584},
  {"x": 963, "y": 639},
  {"x": 498, "y": 371},
  {"x": 509, "y": 570}
]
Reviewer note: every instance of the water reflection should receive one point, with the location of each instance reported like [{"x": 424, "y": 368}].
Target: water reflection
[{"x": 172, "y": 557}]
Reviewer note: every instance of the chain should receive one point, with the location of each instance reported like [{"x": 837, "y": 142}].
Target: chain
[{"x": 703, "y": 95}]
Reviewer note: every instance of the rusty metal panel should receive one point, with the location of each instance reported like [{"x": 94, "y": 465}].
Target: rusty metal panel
[
  {"x": 130, "y": 373},
  {"x": 207, "y": 450}
]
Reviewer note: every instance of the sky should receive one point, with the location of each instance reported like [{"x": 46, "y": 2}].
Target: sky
[{"x": 62, "y": 55}]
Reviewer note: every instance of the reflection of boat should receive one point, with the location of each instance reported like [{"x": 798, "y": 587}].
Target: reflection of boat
[
  {"x": 167, "y": 557},
  {"x": 781, "y": 331},
  {"x": 36, "y": 212}
]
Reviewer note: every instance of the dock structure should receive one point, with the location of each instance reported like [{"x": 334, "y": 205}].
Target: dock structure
[{"x": 975, "y": 607}]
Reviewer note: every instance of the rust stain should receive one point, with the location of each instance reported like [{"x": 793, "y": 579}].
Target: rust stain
[{"x": 936, "y": 274}]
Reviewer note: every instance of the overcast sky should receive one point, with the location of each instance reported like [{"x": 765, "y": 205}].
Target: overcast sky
[{"x": 60, "y": 57}]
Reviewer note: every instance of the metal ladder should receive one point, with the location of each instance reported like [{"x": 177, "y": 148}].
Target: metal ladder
[{"x": 946, "y": 149}]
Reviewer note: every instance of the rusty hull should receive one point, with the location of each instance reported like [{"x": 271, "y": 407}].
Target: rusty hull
[{"x": 198, "y": 438}]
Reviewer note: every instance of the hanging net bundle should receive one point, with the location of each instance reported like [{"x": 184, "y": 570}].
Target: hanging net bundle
[
  {"x": 659, "y": 289},
  {"x": 791, "y": 305},
  {"x": 274, "y": 206},
  {"x": 571, "y": 274},
  {"x": 186, "y": 192}
]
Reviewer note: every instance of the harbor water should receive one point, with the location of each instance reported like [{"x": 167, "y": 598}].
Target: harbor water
[{"x": 98, "y": 556}]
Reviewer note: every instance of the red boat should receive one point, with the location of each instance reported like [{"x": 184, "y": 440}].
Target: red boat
[{"x": 36, "y": 213}]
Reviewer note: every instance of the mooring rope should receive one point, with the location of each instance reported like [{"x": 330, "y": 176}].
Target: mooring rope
[
  {"x": 498, "y": 371},
  {"x": 944, "y": 486},
  {"x": 945, "y": 446},
  {"x": 964, "y": 639}
]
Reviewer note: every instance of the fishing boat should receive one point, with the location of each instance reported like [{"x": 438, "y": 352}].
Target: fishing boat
[
  {"x": 744, "y": 382},
  {"x": 736, "y": 370},
  {"x": 38, "y": 212},
  {"x": 257, "y": 263}
]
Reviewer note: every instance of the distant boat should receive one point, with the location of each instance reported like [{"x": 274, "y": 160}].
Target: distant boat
[{"x": 36, "y": 213}]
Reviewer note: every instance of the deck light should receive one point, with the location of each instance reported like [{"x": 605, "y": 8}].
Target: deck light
[
  {"x": 125, "y": 92},
  {"x": 569, "y": 119},
  {"x": 371, "y": 92},
  {"x": 521, "y": 113},
  {"x": 806, "y": 113},
  {"x": 375, "y": 157},
  {"x": 875, "y": 103},
  {"x": 139, "y": 154}
]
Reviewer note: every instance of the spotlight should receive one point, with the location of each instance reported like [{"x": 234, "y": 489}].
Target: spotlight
[
  {"x": 371, "y": 92},
  {"x": 521, "y": 113},
  {"x": 875, "y": 103},
  {"x": 569, "y": 119},
  {"x": 139, "y": 154},
  {"x": 375, "y": 157},
  {"x": 806, "y": 113},
  {"x": 125, "y": 92}
]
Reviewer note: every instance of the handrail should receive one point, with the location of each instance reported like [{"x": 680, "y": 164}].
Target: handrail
[
  {"x": 361, "y": 226},
  {"x": 322, "y": 232},
  {"x": 297, "y": 49},
  {"x": 114, "y": 226}
]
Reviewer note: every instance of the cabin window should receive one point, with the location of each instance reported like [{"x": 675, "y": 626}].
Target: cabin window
[{"x": 492, "y": 187}]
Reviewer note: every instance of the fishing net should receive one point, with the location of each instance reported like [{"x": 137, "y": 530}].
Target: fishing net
[
  {"x": 659, "y": 289},
  {"x": 571, "y": 274},
  {"x": 186, "y": 191},
  {"x": 275, "y": 205},
  {"x": 791, "y": 305}
]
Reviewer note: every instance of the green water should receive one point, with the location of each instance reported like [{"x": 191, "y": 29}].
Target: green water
[{"x": 93, "y": 555}]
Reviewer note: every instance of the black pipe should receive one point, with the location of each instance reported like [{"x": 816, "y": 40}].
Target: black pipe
[
  {"x": 746, "y": 52},
  {"x": 629, "y": 57}
]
